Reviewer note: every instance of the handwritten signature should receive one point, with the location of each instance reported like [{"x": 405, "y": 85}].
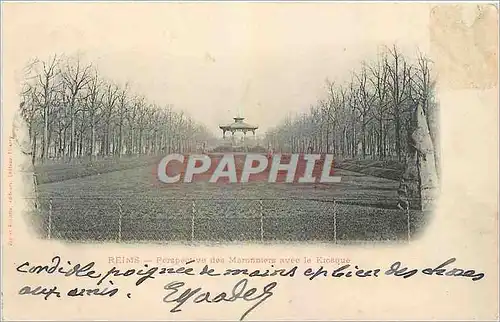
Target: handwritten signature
[{"x": 239, "y": 291}]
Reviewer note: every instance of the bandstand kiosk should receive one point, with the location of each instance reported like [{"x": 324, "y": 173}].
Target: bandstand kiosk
[{"x": 238, "y": 126}]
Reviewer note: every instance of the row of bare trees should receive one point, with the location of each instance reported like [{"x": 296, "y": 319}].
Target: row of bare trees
[
  {"x": 370, "y": 117},
  {"x": 73, "y": 112}
]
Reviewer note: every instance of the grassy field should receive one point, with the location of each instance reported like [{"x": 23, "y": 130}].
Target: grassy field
[
  {"x": 129, "y": 204},
  {"x": 392, "y": 170},
  {"x": 58, "y": 170}
]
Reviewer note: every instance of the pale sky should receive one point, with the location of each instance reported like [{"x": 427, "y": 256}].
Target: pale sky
[{"x": 209, "y": 59}]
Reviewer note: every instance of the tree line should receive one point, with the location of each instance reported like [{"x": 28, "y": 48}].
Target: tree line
[
  {"x": 73, "y": 112},
  {"x": 371, "y": 116}
]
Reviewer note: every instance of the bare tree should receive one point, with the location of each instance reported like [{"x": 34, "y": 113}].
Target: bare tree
[
  {"x": 45, "y": 95},
  {"x": 93, "y": 104},
  {"x": 367, "y": 116},
  {"x": 75, "y": 78},
  {"x": 122, "y": 110},
  {"x": 399, "y": 80},
  {"x": 366, "y": 99},
  {"x": 379, "y": 78}
]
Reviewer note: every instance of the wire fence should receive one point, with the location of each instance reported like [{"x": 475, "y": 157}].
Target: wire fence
[{"x": 191, "y": 219}]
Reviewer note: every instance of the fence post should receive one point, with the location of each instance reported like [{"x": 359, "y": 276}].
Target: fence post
[
  {"x": 193, "y": 211},
  {"x": 334, "y": 221},
  {"x": 49, "y": 228},
  {"x": 119, "y": 221},
  {"x": 261, "y": 220},
  {"x": 35, "y": 181}
]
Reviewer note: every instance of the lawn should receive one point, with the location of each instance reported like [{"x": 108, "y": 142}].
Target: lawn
[
  {"x": 129, "y": 204},
  {"x": 58, "y": 170},
  {"x": 388, "y": 169}
]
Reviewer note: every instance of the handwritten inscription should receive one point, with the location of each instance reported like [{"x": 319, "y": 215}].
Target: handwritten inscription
[
  {"x": 47, "y": 292},
  {"x": 39, "y": 290},
  {"x": 179, "y": 294}
]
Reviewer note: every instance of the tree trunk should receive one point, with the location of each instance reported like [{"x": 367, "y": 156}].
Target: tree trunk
[
  {"x": 363, "y": 137},
  {"x": 45, "y": 146},
  {"x": 380, "y": 138},
  {"x": 92, "y": 136},
  {"x": 72, "y": 133},
  {"x": 120, "y": 134},
  {"x": 33, "y": 154},
  {"x": 397, "y": 129}
]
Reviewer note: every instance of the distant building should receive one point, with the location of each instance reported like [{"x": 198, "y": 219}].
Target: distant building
[{"x": 238, "y": 126}]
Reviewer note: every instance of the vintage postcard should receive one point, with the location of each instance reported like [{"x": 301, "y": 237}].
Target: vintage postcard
[{"x": 272, "y": 161}]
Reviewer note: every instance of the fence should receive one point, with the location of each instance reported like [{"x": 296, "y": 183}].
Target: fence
[{"x": 191, "y": 219}]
